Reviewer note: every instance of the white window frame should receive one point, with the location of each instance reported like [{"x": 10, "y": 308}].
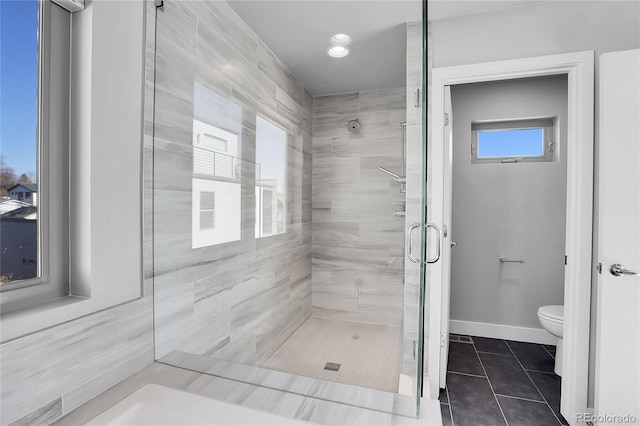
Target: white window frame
[
  {"x": 547, "y": 124},
  {"x": 54, "y": 56}
]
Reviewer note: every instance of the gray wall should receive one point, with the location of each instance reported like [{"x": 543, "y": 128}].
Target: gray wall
[
  {"x": 240, "y": 300},
  {"x": 542, "y": 28},
  {"x": 51, "y": 372},
  {"x": 507, "y": 210},
  {"x": 355, "y": 234}
]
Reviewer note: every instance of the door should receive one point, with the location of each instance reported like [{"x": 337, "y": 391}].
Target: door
[
  {"x": 447, "y": 244},
  {"x": 617, "y": 384}
]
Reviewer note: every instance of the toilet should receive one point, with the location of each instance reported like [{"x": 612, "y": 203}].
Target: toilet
[{"x": 552, "y": 319}]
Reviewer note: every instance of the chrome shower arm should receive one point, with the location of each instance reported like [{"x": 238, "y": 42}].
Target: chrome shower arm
[
  {"x": 397, "y": 177},
  {"x": 389, "y": 172}
]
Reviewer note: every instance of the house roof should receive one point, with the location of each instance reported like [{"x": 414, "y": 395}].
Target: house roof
[
  {"x": 27, "y": 212},
  {"x": 11, "y": 204},
  {"x": 33, "y": 187}
]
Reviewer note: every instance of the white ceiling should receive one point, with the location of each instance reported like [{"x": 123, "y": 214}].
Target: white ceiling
[{"x": 298, "y": 32}]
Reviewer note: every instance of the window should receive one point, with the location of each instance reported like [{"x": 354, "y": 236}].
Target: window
[
  {"x": 35, "y": 48},
  {"x": 90, "y": 254},
  {"x": 19, "y": 87},
  {"x": 271, "y": 183},
  {"x": 513, "y": 141}
]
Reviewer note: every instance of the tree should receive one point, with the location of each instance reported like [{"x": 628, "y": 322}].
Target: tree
[
  {"x": 8, "y": 177},
  {"x": 25, "y": 178}
]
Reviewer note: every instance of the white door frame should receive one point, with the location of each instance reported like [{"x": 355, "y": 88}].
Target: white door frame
[{"x": 579, "y": 68}]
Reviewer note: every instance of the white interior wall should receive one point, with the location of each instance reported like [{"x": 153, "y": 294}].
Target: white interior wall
[{"x": 507, "y": 210}]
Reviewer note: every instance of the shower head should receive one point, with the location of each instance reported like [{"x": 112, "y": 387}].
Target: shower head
[
  {"x": 354, "y": 126},
  {"x": 389, "y": 172}
]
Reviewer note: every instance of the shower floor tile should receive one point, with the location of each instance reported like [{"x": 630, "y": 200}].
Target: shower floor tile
[{"x": 369, "y": 355}]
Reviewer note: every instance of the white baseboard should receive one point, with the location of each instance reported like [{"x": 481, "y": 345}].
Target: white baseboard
[{"x": 499, "y": 331}]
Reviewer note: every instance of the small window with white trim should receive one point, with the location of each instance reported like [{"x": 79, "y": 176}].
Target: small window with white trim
[{"x": 513, "y": 141}]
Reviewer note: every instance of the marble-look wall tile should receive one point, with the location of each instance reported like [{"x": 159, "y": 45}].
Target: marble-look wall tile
[
  {"x": 271, "y": 66},
  {"x": 240, "y": 300},
  {"x": 56, "y": 361},
  {"x": 356, "y": 237},
  {"x": 43, "y": 415},
  {"x": 227, "y": 25}
]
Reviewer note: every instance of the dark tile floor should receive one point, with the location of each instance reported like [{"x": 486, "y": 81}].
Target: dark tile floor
[{"x": 500, "y": 382}]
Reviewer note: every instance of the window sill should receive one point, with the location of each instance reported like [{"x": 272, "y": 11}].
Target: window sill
[{"x": 17, "y": 324}]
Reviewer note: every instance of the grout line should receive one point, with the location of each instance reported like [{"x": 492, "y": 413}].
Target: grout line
[
  {"x": 540, "y": 371},
  {"x": 491, "y": 386},
  {"x": 467, "y": 374},
  {"x": 446, "y": 389},
  {"x": 550, "y": 354},
  {"x": 534, "y": 384},
  {"x": 523, "y": 399},
  {"x": 492, "y": 353}
]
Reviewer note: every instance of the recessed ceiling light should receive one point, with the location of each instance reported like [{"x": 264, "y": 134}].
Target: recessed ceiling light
[
  {"x": 340, "y": 40},
  {"x": 337, "y": 51}
]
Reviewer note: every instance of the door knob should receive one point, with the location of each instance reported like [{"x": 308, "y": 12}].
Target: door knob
[
  {"x": 618, "y": 270},
  {"x": 453, "y": 244}
]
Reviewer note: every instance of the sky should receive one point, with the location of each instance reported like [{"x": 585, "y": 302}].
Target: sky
[
  {"x": 271, "y": 151},
  {"x": 19, "y": 83},
  {"x": 510, "y": 143}
]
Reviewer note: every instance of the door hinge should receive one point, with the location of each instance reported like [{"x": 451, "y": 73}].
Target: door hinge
[
  {"x": 159, "y": 3},
  {"x": 446, "y": 118},
  {"x": 599, "y": 268},
  {"x": 414, "y": 347},
  {"x": 565, "y": 259},
  {"x": 418, "y": 99},
  {"x": 443, "y": 342}
]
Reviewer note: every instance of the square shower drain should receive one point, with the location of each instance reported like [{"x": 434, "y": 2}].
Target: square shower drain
[{"x": 332, "y": 366}]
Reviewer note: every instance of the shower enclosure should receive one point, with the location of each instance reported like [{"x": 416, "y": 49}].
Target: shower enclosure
[{"x": 282, "y": 254}]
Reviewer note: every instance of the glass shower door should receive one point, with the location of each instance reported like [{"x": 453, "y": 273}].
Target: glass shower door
[{"x": 272, "y": 220}]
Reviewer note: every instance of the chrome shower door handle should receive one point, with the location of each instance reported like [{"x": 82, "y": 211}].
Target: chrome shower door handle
[
  {"x": 410, "y": 243},
  {"x": 437, "y": 256},
  {"x": 618, "y": 270}
]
